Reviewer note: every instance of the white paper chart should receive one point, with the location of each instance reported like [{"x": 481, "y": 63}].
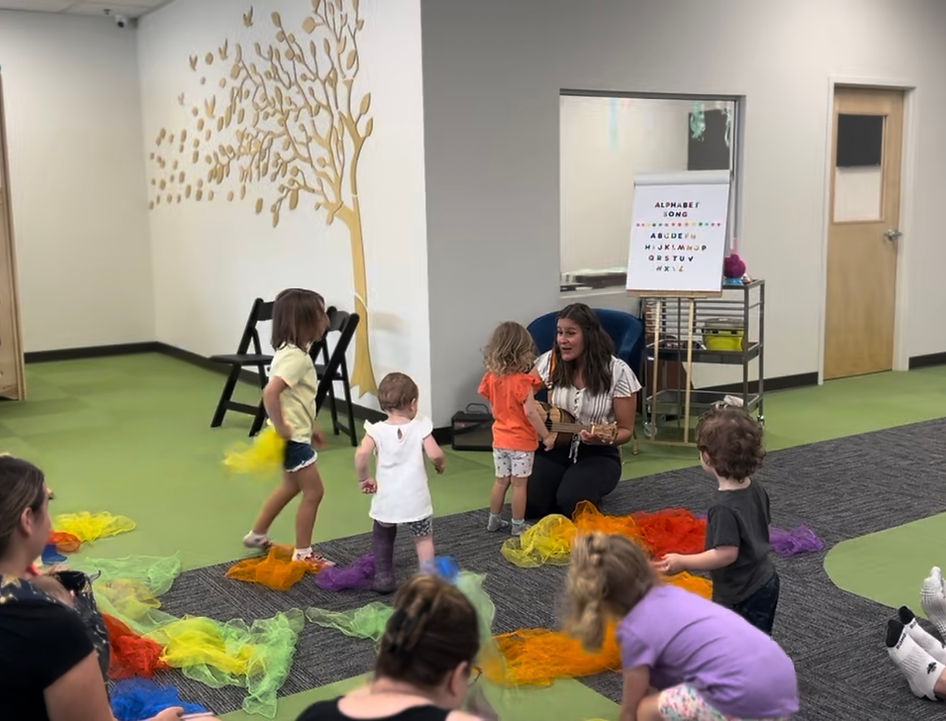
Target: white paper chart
[{"x": 678, "y": 232}]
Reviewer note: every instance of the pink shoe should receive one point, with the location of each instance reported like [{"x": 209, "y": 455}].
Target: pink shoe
[{"x": 313, "y": 557}]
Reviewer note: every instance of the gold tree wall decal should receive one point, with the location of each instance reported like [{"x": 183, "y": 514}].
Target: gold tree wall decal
[{"x": 290, "y": 122}]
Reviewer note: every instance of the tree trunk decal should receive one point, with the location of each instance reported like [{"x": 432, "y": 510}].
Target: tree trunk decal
[{"x": 290, "y": 120}]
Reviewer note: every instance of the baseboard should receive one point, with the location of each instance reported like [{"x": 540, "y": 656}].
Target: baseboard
[
  {"x": 778, "y": 383},
  {"x": 368, "y": 414},
  {"x": 94, "y": 351},
  {"x": 924, "y": 361},
  {"x": 361, "y": 412},
  {"x": 203, "y": 362},
  {"x": 444, "y": 435}
]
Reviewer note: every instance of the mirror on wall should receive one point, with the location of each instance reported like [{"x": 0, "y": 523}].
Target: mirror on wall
[{"x": 605, "y": 141}]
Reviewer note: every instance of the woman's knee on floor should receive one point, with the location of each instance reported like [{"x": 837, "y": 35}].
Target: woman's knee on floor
[
  {"x": 568, "y": 498},
  {"x": 579, "y": 487},
  {"x": 543, "y": 486},
  {"x": 539, "y": 503}
]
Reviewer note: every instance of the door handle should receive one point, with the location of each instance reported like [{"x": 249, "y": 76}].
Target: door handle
[{"x": 893, "y": 235}]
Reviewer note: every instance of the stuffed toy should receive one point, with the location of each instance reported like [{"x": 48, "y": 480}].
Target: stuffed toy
[{"x": 734, "y": 267}]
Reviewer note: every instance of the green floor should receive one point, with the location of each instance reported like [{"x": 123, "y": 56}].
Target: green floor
[
  {"x": 130, "y": 435},
  {"x": 890, "y": 565}
]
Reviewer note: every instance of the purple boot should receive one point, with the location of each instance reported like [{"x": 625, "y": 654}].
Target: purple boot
[{"x": 382, "y": 541}]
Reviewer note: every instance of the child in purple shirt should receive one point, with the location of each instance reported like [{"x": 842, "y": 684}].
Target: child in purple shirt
[{"x": 706, "y": 662}]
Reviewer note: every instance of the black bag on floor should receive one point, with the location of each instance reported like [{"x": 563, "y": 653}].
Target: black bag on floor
[{"x": 472, "y": 428}]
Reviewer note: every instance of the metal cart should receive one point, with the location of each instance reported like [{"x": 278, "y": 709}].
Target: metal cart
[{"x": 728, "y": 329}]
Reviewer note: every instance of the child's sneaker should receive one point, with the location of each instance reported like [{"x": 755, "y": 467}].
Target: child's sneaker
[
  {"x": 256, "y": 540},
  {"x": 313, "y": 557},
  {"x": 519, "y": 527},
  {"x": 496, "y": 523}
]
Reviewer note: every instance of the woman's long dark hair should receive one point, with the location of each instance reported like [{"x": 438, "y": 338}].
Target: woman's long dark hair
[
  {"x": 597, "y": 353},
  {"x": 21, "y": 486}
]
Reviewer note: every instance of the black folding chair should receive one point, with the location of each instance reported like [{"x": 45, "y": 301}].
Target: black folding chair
[
  {"x": 261, "y": 312},
  {"x": 331, "y": 367}
]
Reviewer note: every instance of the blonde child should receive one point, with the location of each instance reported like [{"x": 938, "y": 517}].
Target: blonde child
[
  {"x": 737, "y": 551},
  {"x": 684, "y": 657},
  {"x": 517, "y": 423},
  {"x": 399, "y": 485},
  {"x": 299, "y": 319}
]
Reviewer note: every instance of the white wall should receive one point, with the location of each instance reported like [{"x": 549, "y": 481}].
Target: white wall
[
  {"x": 212, "y": 258},
  {"x": 493, "y": 71},
  {"x": 605, "y": 144},
  {"x": 73, "y": 122}
]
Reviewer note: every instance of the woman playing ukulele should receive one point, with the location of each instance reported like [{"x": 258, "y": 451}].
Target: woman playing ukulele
[{"x": 587, "y": 381}]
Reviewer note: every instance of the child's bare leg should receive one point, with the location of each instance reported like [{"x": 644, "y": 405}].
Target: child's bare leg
[
  {"x": 519, "y": 489},
  {"x": 310, "y": 483},
  {"x": 277, "y": 500},
  {"x": 424, "y": 545},
  {"x": 498, "y": 496},
  {"x": 648, "y": 710},
  {"x": 423, "y": 533},
  {"x": 496, "y": 500}
]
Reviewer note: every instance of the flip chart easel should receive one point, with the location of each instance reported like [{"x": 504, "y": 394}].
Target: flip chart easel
[{"x": 678, "y": 238}]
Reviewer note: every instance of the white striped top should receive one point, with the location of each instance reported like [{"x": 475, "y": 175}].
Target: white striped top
[{"x": 588, "y": 408}]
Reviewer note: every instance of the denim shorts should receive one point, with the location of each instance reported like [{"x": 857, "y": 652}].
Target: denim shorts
[{"x": 297, "y": 456}]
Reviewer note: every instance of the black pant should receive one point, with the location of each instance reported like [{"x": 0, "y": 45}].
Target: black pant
[
  {"x": 759, "y": 608},
  {"x": 557, "y": 485}
]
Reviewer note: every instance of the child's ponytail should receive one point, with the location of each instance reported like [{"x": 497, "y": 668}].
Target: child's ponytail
[
  {"x": 608, "y": 575},
  {"x": 587, "y": 587}
]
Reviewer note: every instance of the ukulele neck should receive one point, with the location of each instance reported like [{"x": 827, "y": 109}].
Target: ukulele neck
[{"x": 566, "y": 427}]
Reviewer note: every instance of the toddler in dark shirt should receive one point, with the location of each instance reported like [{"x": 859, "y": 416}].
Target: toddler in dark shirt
[{"x": 737, "y": 529}]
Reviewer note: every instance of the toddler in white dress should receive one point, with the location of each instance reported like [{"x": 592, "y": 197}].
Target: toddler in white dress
[{"x": 399, "y": 484}]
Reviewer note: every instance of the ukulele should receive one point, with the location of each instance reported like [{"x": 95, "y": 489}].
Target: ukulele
[{"x": 564, "y": 426}]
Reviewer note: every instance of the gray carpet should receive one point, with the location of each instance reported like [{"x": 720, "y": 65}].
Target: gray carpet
[{"x": 841, "y": 488}]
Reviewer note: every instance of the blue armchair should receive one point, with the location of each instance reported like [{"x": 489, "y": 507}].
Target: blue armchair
[{"x": 626, "y": 330}]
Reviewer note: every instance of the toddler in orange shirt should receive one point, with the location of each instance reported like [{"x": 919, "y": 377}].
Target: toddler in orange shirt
[{"x": 518, "y": 425}]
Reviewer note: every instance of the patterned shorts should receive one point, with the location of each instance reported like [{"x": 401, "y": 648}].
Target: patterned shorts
[
  {"x": 684, "y": 703},
  {"x": 513, "y": 463},
  {"x": 419, "y": 529}
]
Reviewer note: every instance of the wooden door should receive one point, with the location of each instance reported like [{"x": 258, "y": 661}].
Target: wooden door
[
  {"x": 12, "y": 380},
  {"x": 863, "y": 234}
]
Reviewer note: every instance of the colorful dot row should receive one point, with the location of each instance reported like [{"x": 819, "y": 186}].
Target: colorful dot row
[{"x": 684, "y": 223}]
